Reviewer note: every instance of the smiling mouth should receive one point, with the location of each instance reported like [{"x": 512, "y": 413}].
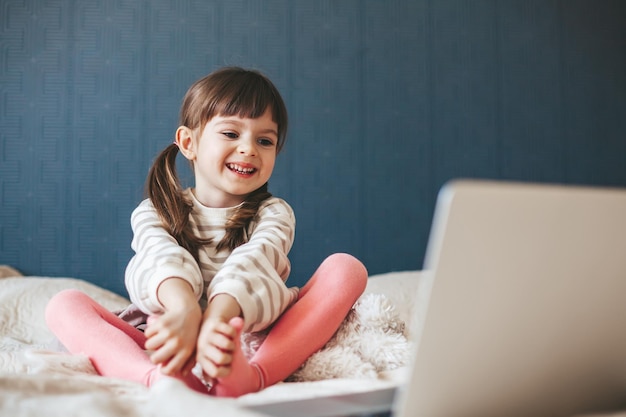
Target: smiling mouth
[{"x": 241, "y": 170}]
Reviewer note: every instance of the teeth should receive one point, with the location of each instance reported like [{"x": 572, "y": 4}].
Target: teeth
[{"x": 240, "y": 169}]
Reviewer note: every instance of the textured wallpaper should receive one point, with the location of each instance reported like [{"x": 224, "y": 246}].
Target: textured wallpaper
[{"x": 387, "y": 101}]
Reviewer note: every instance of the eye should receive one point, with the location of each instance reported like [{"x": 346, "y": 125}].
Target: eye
[
  {"x": 230, "y": 135},
  {"x": 265, "y": 142}
]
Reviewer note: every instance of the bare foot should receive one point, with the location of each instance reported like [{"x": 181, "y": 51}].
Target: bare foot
[{"x": 244, "y": 377}]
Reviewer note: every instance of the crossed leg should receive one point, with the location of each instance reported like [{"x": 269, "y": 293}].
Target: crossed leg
[
  {"x": 303, "y": 329},
  {"x": 115, "y": 348}
]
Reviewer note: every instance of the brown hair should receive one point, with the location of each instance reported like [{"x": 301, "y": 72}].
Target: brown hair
[{"x": 229, "y": 91}]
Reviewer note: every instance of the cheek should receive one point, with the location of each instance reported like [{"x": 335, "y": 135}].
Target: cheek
[{"x": 269, "y": 163}]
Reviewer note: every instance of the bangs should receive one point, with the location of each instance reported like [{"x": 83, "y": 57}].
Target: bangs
[
  {"x": 246, "y": 98},
  {"x": 234, "y": 92}
]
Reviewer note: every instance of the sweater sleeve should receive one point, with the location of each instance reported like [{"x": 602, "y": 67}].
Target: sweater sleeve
[
  {"x": 158, "y": 256},
  {"x": 255, "y": 272}
]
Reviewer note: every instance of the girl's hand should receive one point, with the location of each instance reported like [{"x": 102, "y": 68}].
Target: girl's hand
[
  {"x": 216, "y": 341},
  {"x": 215, "y": 348},
  {"x": 172, "y": 338}
]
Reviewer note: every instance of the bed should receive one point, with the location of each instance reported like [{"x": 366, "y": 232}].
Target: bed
[{"x": 369, "y": 351}]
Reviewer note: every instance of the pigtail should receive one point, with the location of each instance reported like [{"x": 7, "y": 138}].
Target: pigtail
[
  {"x": 237, "y": 225},
  {"x": 166, "y": 194}
]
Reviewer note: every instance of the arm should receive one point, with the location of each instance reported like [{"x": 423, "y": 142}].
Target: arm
[
  {"x": 164, "y": 280},
  {"x": 255, "y": 273},
  {"x": 222, "y": 307},
  {"x": 249, "y": 284},
  {"x": 157, "y": 257}
]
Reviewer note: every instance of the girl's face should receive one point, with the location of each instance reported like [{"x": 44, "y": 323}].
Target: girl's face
[{"x": 231, "y": 157}]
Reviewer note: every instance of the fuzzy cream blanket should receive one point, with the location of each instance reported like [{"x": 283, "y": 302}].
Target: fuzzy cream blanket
[{"x": 370, "y": 350}]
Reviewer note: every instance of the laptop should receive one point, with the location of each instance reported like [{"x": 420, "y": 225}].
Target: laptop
[{"x": 526, "y": 313}]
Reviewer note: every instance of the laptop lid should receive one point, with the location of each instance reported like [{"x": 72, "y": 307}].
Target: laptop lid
[{"x": 527, "y": 309}]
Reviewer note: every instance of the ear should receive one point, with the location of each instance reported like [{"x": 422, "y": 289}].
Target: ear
[{"x": 185, "y": 142}]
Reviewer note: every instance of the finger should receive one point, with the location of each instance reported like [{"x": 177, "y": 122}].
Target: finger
[
  {"x": 212, "y": 370},
  {"x": 171, "y": 362},
  {"x": 163, "y": 354},
  {"x": 153, "y": 318},
  {"x": 217, "y": 356},
  {"x": 222, "y": 371},
  {"x": 158, "y": 357},
  {"x": 153, "y": 326},
  {"x": 208, "y": 369},
  {"x": 174, "y": 365},
  {"x": 225, "y": 329},
  {"x": 218, "y": 341},
  {"x": 188, "y": 366},
  {"x": 150, "y": 331},
  {"x": 208, "y": 379},
  {"x": 155, "y": 341},
  {"x": 191, "y": 363}
]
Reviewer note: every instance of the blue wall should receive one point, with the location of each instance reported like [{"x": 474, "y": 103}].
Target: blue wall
[{"x": 388, "y": 100}]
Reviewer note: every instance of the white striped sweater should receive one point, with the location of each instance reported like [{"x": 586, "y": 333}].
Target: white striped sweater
[{"x": 254, "y": 273}]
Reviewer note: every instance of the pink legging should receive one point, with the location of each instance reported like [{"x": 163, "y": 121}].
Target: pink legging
[{"x": 116, "y": 348}]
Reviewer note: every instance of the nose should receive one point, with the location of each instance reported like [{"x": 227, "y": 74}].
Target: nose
[{"x": 246, "y": 146}]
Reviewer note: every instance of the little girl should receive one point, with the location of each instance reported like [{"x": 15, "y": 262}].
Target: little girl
[{"x": 211, "y": 261}]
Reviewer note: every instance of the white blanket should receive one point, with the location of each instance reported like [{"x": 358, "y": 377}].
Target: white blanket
[
  {"x": 36, "y": 379},
  {"x": 368, "y": 352}
]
